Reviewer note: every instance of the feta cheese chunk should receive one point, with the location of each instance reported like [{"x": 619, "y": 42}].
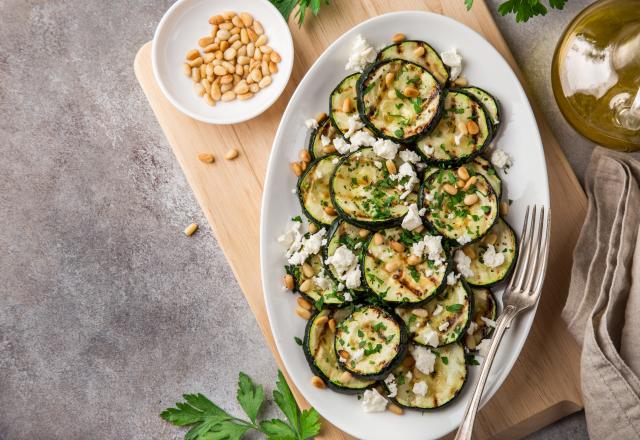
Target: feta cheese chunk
[
  {"x": 311, "y": 123},
  {"x": 412, "y": 219},
  {"x": 483, "y": 347},
  {"x": 464, "y": 239},
  {"x": 453, "y": 60},
  {"x": 463, "y": 264},
  {"x": 385, "y": 148},
  {"x": 472, "y": 328},
  {"x": 342, "y": 146},
  {"x": 420, "y": 388},
  {"x": 362, "y": 53},
  {"x": 390, "y": 382},
  {"x": 444, "y": 326},
  {"x": 425, "y": 359},
  {"x": 353, "y": 124},
  {"x": 491, "y": 258},
  {"x": 346, "y": 265},
  {"x": 302, "y": 248},
  {"x": 432, "y": 246},
  {"x": 500, "y": 159},
  {"x": 489, "y": 322},
  {"x": 373, "y": 401},
  {"x": 409, "y": 156},
  {"x": 452, "y": 277},
  {"x": 325, "y": 140},
  {"x": 362, "y": 138},
  {"x": 437, "y": 310}
]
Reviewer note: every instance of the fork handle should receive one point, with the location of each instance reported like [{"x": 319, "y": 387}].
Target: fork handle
[{"x": 503, "y": 322}]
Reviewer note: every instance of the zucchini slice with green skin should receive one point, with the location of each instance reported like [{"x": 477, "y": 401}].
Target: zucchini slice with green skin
[
  {"x": 389, "y": 275},
  {"x": 315, "y": 142},
  {"x": 363, "y": 193},
  {"x": 480, "y": 165},
  {"x": 370, "y": 342},
  {"x": 342, "y": 233},
  {"x": 388, "y": 111},
  {"x": 505, "y": 244},
  {"x": 427, "y": 58},
  {"x": 450, "y": 216},
  {"x": 346, "y": 89},
  {"x": 313, "y": 190},
  {"x": 447, "y": 316},
  {"x": 442, "y": 386},
  {"x": 490, "y": 103},
  {"x": 325, "y": 292},
  {"x": 319, "y": 349},
  {"x": 484, "y": 305},
  {"x": 450, "y": 143}
]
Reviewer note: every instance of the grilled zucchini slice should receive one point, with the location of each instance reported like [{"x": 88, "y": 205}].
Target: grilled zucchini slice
[
  {"x": 319, "y": 349},
  {"x": 370, "y": 342},
  {"x": 323, "y": 289},
  {"x": 480, "y": 165},
  {"x": 490, "y": 103},
  {"x": 315, "y": 142},
  {"x": 447, "y": 316},
  {"x": 347, "y": 89},
  {"x": 495, "y": 255},
  {"x": 450, "y": 143},
  {"x": 363, "y": 193},
  {"x": 402, "y": 108},
  {"x": 342, "y": 233},
  {"x": 442, "y": 386},
  {"x": 450, "y": 215},
  {"x": 313, "y": 190},
  {"x": 389, "y": 275},
  {"x": 428, "y": 58},
  {"x": 484, "y": 306}
]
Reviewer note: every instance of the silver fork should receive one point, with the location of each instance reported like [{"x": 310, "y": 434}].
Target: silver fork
[{"x": 522, "y": 293}]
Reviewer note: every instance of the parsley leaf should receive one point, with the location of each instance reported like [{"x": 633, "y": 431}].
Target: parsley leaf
[
  {"x": 277, "y": 429},
  {"x": 286, "y": 7},
  {"x": 454, "y": 308},
  {"x": 468, "y": 4},
  {"x": 309, "y": 423},
  {"x": 250, "y": 397},
  {"x": 524, "y": 9},
  {"x": 298, "y": 340}
]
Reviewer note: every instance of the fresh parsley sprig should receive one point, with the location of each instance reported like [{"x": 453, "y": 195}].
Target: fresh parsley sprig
[
  {"x": 210, "y": 422},
  {"x": 524, "y": 9},
  {"x": 286, "y": 7}
]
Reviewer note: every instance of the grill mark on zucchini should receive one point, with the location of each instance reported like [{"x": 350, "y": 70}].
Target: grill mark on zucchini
[
  {"x": 489, "y": 102},
  {"x": 430, "y": 60},
  {"x": 313, "y": 190}
]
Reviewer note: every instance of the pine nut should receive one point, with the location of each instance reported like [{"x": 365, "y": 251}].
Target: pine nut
[
  {"x": 450, "y": 189},
  {"x": 420, "y": 313},
  {"x": 389, "y": 78},
  {"x": 275, "y": 57},
  {"x": 223, "y": 34},
  {"x": 344, "y": 354},
  {"x": 203, "y": 70},
  {"x": 218, "y": 54},
  {"x": 273, "y": 67},
  {"x": 229, "y": 54},
  {"x": 186, "y": 69},
  {"x": 224, "y": 88},
  {"x": 322, "y": 321},
  {"x": 233, "y": 38},
  {"x": 332, "y": 324},
  {"x": 304, "y": 155},
  {"x": 391, "y": 167},
  {"x": 469, "y": 252},
  {"x": 197, "y": 87},
  {"x": 491, "y": 239},
  {"x": 257, "y": 26},
  {"x": 396, "y": 246},
  {"x": 213, "y": 20},
  {"x": 295, "y": 167},
  {"x": 392, "y": 407},
  {"x": 251, "y": 49},
  {"x": 237, "y": 22},
  {"x": 411, "y": 92},
  {"x": 347, "y": 105},
  {"x": 205, "y": 41},
  {"x": 264, "y": 68},
  {"x": 470, "y": 199},
  {"x": 247, "y": 19},
  {"x": 378, "y": 239},
  {"x": 239, "y": 71},
  {"x": 264, "y": 82},
  {"x": 253, "y": 88},
  {"x": 208, "y": 58},
  {"x": 307, "y": 270},
  {"x": 219, "y": 70},
  {"x": 231, "y": 154},
  {"x": 330, "y": 210},
  {"x": 216, "y": 94},
  {"x": 228, "y": 15},
  {"x": 419, "y": 51},
  {"x": 230, "y": 67},
  {"x": 472, "y": 180},
  {"x": 414, "y": 260},
  {"x": 345, "y": 377},
  {"x": 329, "y": 149},
  {"x": 504, "y": 209},
  {"x": 192, "y": 54},
  {"x": 305, "y": 286},
  {"x": 363, "y": 233},
  {"x": 472, "y": 127},
  {"x": 460, "y": 183},
  {"x": 391, "y": 266},
  {"x": 397, "y": 38},
  {"x": 288, "y": 282},
  {"x": 211, "y": 48},
  {"x": 224, "y": 45},
  {"x": 206, "y": 158},
  {"x": 256, "y": 75},
  {"x": 408, "y": 361},
  {"x": 470, "y": 341},
  {"x": 243, "y": 60},
  {"x": 228, "y": 96},
  {"x": 303, "y": 303},
  {"x": 207, "y": 85},
  {"x": 463, "y": 173},
  {"x": 197, "y": 62},
  {"x": 303, "y": 165},
  {"x": 252, "y": 35},
  {"x": 241, "y": 88},
  {"x": 191, "y": 229},
  {"x": 318, "y": 382},
  {"x": 261, "y": 41},
  {"x": 313, "y": 228},
  {"x": 244, "y": 36},
  {"x": 266, "y": 49},
  {"x": 461, "y": 81}
]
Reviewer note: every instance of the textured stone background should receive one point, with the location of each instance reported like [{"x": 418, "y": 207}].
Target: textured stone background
[{"x": 107, "y": 311}]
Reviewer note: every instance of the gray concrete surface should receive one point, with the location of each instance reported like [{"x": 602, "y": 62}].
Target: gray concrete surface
[{"x": 107, "y": 311}]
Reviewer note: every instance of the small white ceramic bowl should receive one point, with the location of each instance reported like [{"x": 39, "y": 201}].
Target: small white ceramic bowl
[{"x": 179, "y": 31}]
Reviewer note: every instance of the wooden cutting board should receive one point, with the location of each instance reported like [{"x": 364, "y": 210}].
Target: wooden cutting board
[{"x": 544, "y": 383}]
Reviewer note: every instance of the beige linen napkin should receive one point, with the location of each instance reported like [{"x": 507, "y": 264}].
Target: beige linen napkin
[{"x": 603, "y": 306}]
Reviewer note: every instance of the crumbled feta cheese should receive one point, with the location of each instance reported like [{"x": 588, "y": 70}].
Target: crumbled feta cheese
[
  {"x": 386, "y": 148},
  {"x": 390, "y": 382},
  {"x": 491, "y": 258},
  {"x": 489, "y": 322},
  {"x": 357, "y": 355},
  {"x": 425, "y": 359},
  {"x": 291, "y": 234},
  {"x": 452, "y": 278},
  {"x": 432, "y": 244},
  {"x": 420, "y": 388},
  {"x": 335, "y": 160},
  {"x": 500, "y": 159},
  {"x": 362, "y": 53},
  {"x": 342, "y": 146},
  {"x": 472, "y": 328},
  {"x": 406, "y": 170},
  {"x": 362, "y": 138},
  {"x": 409, "y": 156},
  {"x": 427, "y": 149},
  {"x": 483, "y": 347},
  {"x": 325, "y": 140},
  {"x": 412, "y": 219},
  {"x": 302, "y": 248},
  {"x": 437, "y": 310},
  {"x": 347, "y": 296},
  {"x": 322, "y": 281},
  {"x": 464, "y": 239},
  {"x": 353, "y": 124},
  {"x": 372, "y": 401},
  {"x": 463, "y": 264},
  {"x": 444, "y": 326},
  {"x": 452, "y": 59},
  {"x": 378, "y": 164},
  {"x": 346, "y": 265},
  {"x": 311, "y": 123}
]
